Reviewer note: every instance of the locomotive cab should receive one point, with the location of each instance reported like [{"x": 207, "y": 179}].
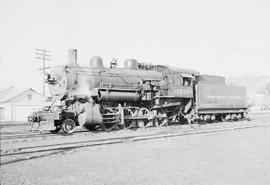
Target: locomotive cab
[{"x": 180, "y": 81}]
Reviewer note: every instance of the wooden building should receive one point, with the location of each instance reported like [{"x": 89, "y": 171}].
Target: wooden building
[{"x": 17, "y": 104}]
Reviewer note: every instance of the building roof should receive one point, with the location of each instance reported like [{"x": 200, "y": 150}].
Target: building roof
[{"x": 7, "y": 94}]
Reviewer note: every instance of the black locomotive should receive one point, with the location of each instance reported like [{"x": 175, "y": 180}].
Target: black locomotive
[{"x": 137, "y": 95}]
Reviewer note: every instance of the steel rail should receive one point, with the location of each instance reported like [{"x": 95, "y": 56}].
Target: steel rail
[
  {"x": 32, "y": 135},
  {"x": 56, "y": 148}
]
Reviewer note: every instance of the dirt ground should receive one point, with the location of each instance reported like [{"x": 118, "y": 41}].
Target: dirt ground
[{"x": 231, "y": 157}]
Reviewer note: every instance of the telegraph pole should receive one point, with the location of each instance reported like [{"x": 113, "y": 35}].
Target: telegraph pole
[{"x": 43, "y": 55}]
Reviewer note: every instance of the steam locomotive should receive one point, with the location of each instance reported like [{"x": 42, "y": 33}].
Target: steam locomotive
[{"x": 138, "y": 95}]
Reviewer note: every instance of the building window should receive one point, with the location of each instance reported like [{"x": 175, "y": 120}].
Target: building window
[{"x": 29, "y": 96}]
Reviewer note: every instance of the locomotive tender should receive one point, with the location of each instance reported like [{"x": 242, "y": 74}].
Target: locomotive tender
[{"x": 137, "y": 95}]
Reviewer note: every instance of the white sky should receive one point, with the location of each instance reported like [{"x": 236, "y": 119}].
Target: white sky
[{"x": 226, "y": 37}]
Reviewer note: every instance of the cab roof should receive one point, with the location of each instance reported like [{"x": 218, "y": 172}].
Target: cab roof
[{"x": 176, "y": 69}]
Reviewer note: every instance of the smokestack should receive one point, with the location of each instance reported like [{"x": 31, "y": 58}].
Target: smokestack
[{"x": 72, "y": 54}]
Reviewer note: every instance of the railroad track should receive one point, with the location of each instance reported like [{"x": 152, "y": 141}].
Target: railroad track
[
  {"x": 23, "y": 136},
  {"x": 29, "y": 152},
  {"x": 31, "y": 135},
  {"x": 36, "y": 135}
]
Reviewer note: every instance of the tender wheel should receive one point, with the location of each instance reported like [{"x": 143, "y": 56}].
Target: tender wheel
[{"x": 68, "y": 126}]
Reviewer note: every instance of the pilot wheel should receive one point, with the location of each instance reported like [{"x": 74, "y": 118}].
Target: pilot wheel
[{"x": 68, "y": 126}]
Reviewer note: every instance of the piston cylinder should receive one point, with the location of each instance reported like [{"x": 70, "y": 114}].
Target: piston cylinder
[{"x": 91, "y": 115}]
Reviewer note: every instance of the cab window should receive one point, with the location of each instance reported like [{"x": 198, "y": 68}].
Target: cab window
[{"x": 186, "y": 81}]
